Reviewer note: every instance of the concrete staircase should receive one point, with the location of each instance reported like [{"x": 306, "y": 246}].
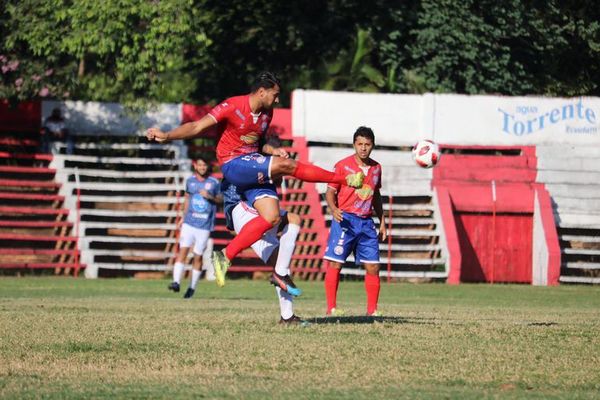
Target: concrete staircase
[
  {"x": 129, "y": 192},
  {"x": 572, "y": 177}
]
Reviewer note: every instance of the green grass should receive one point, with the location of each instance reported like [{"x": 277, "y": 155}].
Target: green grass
[{"x": 73, "y": 338}]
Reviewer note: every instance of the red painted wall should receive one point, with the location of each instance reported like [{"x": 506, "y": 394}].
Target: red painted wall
[
  {"x": 500, "y": 255},
  {"x": 503, "y": 254},
  {"x": 26, "y": 117}
]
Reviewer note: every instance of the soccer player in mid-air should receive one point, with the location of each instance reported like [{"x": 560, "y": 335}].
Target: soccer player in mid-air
[
  {"x": 243, "y": 120},
  {"x": 352, "y": 228},
  {"x": 202, "y": 194}
]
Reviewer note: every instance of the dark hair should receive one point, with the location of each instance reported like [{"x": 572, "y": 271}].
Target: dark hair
[
  {"x": 365, "y": 132},
  {"x": 205, "y": 160},
  {"x": 265, "y": 80}
]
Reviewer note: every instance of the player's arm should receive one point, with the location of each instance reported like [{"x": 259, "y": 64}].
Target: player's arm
[
  {"x": 331, "y": 199},
  {"x": 378, "y": 208},
  {"x": 186, "y": 204},
  {"x": 185, "y": 131}
]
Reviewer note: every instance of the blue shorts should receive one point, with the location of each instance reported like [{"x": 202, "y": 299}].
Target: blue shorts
[
  {"x": 353, "y": 234},
  {"x": 251, "y": 175}
]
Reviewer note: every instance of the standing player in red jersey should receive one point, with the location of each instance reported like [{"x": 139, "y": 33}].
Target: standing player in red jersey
[
  {"x": 352, "y": 228},
  {"x": 243, "y": 121}
]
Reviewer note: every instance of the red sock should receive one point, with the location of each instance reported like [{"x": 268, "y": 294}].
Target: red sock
[
  {"x": 311, "y": 173},
  {"x": 332, "y": 279},
  {"x": 372, "y": 285},
  {"x": 249, "y": 234}
]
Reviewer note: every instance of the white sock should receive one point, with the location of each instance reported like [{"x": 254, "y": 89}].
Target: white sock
[
  {"x": 177, "y": 271},
  {"x": 286, "y": 303},
  {"x": 195, "y": 277},
  {"x": 287, "y": 243}
]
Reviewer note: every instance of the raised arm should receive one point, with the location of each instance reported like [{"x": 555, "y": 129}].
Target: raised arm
[{"x": 185, "y": 131}]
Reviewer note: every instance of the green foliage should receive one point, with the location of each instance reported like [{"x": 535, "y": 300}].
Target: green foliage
[
  {"x": 205, "y": 50},
  {"x": 110, "y": 50}
]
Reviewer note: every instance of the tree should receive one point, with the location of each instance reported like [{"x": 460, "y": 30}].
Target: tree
[{"x": 111, "y": 50}]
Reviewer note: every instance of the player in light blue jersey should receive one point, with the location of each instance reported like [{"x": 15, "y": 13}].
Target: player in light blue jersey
[{"x": 202, "y": 193}]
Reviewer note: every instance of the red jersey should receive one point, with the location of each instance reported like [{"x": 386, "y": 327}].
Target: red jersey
[
  {"x": 357, "y": 201},
  {"x": 240, "y": 130}
]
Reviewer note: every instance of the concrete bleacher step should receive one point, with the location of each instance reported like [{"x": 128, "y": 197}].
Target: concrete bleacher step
[
  {"x": 410, "y": 247},
  {"x": 131, "y": 253},
  {"x": 59, "y": 160},
  {"x": 30, "y": 196},
  {"x": 581, "y": 238},
  {"x": 33, "y": 210},
  {"x": 399, "y": 274},
  {"x": 548, "y": 152},
  {"x": 125, "y": 174},
  {"x": 565, "y": 220},
  {"x": 35, "y": 224},
  {"x": 579, "y": 191},
  {"x": 579, "y": 279},
  {"x": 568, "y": 204},
  {"x": 581, "y": 265},
  {"x": 132, "y": 266},
  {"x": 568, "y": 177},
  {"x": 127, "y": 213},
  {"x": 124, "y": 187},
  {"x": 588, "y": 252},
  {"x": 125, "y": 225},
  {"x": 19, "y": 183},
  {"x": 25, "y": 156},
  {"x": 11, "y": 169},
  {"x": 569, "y": 163},
  {"x": 132, "y": 199}
]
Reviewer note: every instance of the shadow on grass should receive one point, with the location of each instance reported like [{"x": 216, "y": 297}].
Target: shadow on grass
[{"x": 363, "y": 319}]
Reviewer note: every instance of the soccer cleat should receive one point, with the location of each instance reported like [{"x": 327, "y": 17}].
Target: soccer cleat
[
  {"x": 293, "y": 320},
  {"x": 355, "y": 180},
  {"x": 221, "y": 264},
  {"x": 174, "y": 286},
  {"x": 335, "y": 312},
  {"x": 188, "y": 293},
  {"x": 375, "y": 314},
  {"x": 285, "y": 283}
]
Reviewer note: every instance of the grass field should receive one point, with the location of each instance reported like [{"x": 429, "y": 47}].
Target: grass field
[{"x": 74, "y": 338}]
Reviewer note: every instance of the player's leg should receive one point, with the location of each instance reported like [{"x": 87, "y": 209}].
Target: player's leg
[
  {"x": 200, "y": 240},
  {"x": 372, "y": 287},
  {"x": 268, "y": 209},
  {"x": 311, "y": 173},
  {"x": 186, "y": 239},
  {"x": 367, "y": 253},
  {"x": 281, "y": 276},
  {"x": 339, "y": 245}
]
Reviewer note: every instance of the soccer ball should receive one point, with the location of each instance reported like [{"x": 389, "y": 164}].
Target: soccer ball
[{"x": 426, "y": 153}]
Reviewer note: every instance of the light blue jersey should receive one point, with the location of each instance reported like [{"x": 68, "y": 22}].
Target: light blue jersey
[{"x": 201, "y": 212}]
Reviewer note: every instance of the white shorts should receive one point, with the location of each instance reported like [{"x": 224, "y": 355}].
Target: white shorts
[
  {"x": 266, "y": 245},
  {"x": 190, "y": 235}
]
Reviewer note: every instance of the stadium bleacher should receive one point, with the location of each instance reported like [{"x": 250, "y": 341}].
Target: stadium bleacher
[
  {"x": 34, "y": 229},
  {"x": 572, "y": 175}
]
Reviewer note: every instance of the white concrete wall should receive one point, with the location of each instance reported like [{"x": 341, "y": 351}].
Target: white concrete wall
[
  {"x": 447, "y": 118},
  {"x": 93, "y": 118},
  {"x": 334, "y": 116},
  {"x": 540, "y": 252}
]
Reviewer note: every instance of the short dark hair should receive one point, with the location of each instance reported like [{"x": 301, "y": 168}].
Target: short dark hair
[
  {"x": 365, "y": 132},
  {"x": 205, "y": 161},
  {"x": 265, "y": 80}
]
